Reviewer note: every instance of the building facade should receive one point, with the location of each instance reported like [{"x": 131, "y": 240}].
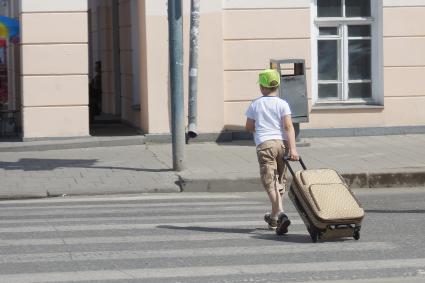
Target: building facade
[
  {"x": 365, "y": 62},
  {"x": 54, "y": 68}
]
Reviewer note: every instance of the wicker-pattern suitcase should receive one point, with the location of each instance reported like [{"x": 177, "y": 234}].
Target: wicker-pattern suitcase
[{"x": 325, "y": 203}]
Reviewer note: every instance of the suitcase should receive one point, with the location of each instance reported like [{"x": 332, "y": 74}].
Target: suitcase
[{"x": 325, "y": 203}]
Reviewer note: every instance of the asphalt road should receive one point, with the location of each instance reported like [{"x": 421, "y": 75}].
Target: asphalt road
[{"x": 203, "y": 237}]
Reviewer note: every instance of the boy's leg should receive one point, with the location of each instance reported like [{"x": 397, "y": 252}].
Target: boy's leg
[
  {"x": 283, "y": 221},
  {"x": 282, "y": 170},
  {"x": 279, "y": 219},
  {"x": 267, "y": 154},
  {"x": 275, "y": 198},
  {"x": 276, "y": 201}
]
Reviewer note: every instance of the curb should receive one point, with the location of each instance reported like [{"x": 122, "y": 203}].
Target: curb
[
  {"x": 385, "y": 179},
  {"x": 353, "y": 180},
  {"x": 235, "y": 184},
  {"x": 54, "y": 193},
  {"x": 220, "y": 185},
  {"x": 71, "y": 144},
  {"x": 401, "y": 179}
]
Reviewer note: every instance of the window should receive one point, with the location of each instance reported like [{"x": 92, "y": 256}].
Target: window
[{"x": 346, "y": 68}]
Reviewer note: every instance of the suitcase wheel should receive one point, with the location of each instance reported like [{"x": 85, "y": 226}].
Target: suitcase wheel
[
  {"x": 314, "y": 237},
  {"x": 356, "y": 235},
  {"x": 314, "y": 234}
]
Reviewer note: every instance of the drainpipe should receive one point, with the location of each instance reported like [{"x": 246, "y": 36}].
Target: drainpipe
[
  {"x": 116, "y": 55},
  {"x": 193, "y": 68}
]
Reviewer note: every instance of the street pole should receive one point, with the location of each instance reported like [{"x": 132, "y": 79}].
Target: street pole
[
  {"x": 175, "y": 29},
  {"x": 193, "y": 68}
]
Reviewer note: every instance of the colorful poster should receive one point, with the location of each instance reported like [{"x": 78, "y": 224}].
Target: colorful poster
[{"x": 9, "y": 29}]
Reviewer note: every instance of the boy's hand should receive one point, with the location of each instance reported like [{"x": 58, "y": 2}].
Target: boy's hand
[{"x": 294, "y": 155}]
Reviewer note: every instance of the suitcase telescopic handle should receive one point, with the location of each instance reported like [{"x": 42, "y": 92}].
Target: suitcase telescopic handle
[{"x": 287, "y": 160}]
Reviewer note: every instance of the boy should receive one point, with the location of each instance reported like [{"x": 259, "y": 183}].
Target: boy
[{"x": 269, "y": 118}]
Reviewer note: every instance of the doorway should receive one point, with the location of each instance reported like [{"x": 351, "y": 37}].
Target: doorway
[{"x": 108, "y": 75}]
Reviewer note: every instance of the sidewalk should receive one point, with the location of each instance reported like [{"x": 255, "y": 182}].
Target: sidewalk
[{"x": 118, "y": 166}]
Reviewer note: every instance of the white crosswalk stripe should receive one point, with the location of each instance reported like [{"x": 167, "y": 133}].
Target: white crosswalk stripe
[
  {"x": 101, "y": 227},
  {"x": 45, "y": 221},
  {"x": 116, "y": 198},
  {"x": 129, "y": 205},
  {"x": 142, "y": 209},
  {"x": 187, "y": 272},
  {"x": 227, "y": 251},
  {"x": 109, "y": 240}
]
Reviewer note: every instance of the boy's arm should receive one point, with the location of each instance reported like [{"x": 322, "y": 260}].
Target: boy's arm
[
  {"x": 290, "y": 132},
  {"x": 250, "y": 125}
]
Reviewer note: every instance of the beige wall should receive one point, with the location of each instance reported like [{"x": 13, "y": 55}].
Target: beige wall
[
  {"x": 238, "y": 38},
  {"x": 254, "y": 33},
  {"x": 251, "y": 37},
  {"x": 156, "y": 84},
  {"x": 404, "y": 62},
  {"x": 129, "y": 113},
  {"x": 152, "y": 80},
  {"x": 54, "y": 54}
]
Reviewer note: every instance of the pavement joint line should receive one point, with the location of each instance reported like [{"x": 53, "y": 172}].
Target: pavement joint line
[{"x": 156, "y": 156}]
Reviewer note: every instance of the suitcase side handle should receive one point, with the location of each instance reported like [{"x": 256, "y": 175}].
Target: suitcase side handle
[{"x": 287, "y": 160}]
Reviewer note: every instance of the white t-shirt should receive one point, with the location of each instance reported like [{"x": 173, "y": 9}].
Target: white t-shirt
[{"x": 268, "y": 112}]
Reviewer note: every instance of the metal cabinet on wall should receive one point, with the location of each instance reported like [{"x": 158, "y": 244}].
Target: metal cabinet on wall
[{"x": 293, "y": 87}]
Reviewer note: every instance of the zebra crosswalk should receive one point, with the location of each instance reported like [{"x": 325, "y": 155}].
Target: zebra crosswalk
[{"x": 182, "y": 238}]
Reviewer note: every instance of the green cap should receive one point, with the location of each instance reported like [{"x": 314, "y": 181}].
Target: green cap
[{"x": 269, "y": 78}]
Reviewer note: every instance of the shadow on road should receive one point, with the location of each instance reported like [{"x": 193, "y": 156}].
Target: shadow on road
[
  {"x": 290, "y": 238},
  {"x": 209, "y": 229}
]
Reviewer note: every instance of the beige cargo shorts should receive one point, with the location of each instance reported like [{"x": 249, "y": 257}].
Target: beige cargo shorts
[{"x": 272, "y": 167}]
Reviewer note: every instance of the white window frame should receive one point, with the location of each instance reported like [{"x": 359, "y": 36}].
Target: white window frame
[{"x": 375, "y": 20}]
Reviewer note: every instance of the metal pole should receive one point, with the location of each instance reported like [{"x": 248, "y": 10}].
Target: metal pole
[
  {"x": 175, "y": 29},
  {"x": 193, "y": 68}
]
